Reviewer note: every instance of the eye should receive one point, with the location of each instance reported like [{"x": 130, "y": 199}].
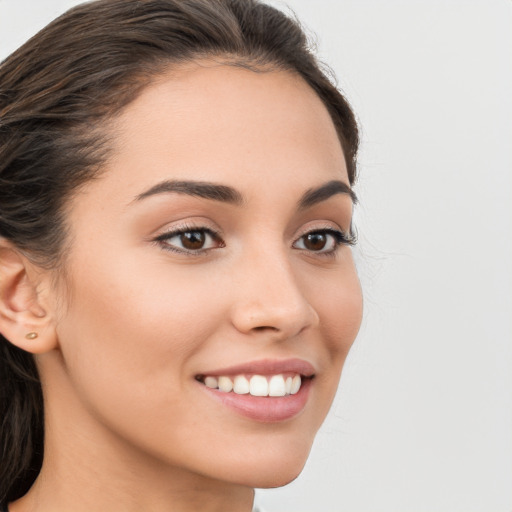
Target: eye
[
  {"x": 190, "y": 240},
  {"x": 323, "y": 241}
]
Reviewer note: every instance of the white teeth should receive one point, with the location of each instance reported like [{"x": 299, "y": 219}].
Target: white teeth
[
  {"x": 295, "y": 384},
  {"x": 288, "y": 385},
  {"x": 225, "y": 384},
  {"x": 241, "y": 385},
  {"x": 259, "y": 386},
  {"x": 277, "y": 386},
  {"x": 211, "y": 382}
]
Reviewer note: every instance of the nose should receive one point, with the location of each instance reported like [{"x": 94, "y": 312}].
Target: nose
[{"x": 271, "y": 299}]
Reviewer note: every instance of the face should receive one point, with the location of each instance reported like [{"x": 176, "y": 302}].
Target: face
[{"x": 212, "y": 252}]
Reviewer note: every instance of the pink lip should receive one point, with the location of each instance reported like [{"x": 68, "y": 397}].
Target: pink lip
[
  {"x": 265, "y": 409},
  {"x": 266, "y": 367}
]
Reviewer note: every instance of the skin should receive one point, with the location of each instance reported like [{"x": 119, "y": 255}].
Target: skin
[{"x": 125, "y": 332}]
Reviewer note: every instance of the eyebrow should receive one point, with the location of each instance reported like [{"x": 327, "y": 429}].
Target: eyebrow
[
  {"x": 324, "y": 192},
  {"x": 201, "y": 189},
  {"x": 227, "y": 194}
]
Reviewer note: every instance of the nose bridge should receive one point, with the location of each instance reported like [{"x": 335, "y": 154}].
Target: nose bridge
[{"x": 270, "y": 296}]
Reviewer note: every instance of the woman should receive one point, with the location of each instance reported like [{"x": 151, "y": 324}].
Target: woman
[{"x": 176, "y": 278}]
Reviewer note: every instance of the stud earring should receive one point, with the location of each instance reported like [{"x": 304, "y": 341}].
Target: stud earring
[{"x": 31, "y": 335}]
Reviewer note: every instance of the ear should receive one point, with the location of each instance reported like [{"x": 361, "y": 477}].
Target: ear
[{"x": 23, "y": 311}]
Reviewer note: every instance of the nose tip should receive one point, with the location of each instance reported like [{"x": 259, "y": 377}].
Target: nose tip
[
  {"x": 278, "y": 308},
  {"x": 281, "y": 324}
]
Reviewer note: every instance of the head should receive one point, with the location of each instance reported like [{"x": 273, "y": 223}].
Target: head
[{"x": 158, "y": 158}]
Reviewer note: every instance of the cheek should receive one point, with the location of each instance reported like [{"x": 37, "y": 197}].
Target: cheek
[
  {"x": 339, "y": 304},
  {"x": 340, "y": 308},
  {"x": 131, "y": 329},
  {"x": 341, "y": 319}
]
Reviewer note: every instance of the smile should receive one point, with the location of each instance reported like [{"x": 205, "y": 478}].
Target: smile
[
  {"x": 265, "y": 391},
  {"x": 256, "y": 385}
]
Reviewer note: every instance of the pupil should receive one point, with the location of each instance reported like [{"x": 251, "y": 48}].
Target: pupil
[
  {"x": 315, "y": 241},
  {"x": 193, "y": 240}
]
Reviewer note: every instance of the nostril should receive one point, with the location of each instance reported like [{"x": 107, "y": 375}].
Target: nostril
[{"x": 265, "y": 327}]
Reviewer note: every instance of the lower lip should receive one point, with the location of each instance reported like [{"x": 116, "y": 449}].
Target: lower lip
[{"x": 267, "y": 409}]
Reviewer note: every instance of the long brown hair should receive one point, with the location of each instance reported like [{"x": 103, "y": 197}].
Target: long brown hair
[{"x": 58, "y": 92}]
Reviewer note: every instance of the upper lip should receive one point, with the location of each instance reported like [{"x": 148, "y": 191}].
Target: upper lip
[{"x": 267, "y": 367}]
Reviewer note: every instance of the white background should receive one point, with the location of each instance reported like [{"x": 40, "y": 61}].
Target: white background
[{"x": 423, "y": 419}]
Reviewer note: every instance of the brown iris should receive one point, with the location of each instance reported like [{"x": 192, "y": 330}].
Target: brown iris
[
  {"x": 315, "y": 241},
  {"x": 193, "y": 240}
]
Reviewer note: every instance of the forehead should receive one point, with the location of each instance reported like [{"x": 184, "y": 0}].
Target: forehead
[{"x": 215, "y": 122}]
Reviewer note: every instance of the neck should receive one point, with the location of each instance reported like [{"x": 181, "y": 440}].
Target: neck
[{"x": 90, "y": 481}]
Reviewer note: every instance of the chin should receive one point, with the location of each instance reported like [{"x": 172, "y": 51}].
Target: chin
[
  {"x": 270, "y": 477},
  {"x": 271, "y": 467},
  {"x": 277, "y": 478}
]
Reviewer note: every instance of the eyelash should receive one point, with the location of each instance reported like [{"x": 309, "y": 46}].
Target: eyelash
[
  {"x": 339, "y": 238},
  {"x": 165, "y": 237}
]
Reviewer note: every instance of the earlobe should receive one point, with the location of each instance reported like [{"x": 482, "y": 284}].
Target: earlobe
[{"x": 24, "y": 320}]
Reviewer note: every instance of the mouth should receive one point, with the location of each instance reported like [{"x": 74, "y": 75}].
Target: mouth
[
  {"x": 265, "y": 391},
  {"x": 278, "y": 385}
]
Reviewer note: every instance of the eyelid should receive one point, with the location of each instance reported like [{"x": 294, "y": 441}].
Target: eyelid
[
  {"x": 340, "y": 236},
  {"x": 350, "y": 236},
  {"x": 178, "y": 230}
]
